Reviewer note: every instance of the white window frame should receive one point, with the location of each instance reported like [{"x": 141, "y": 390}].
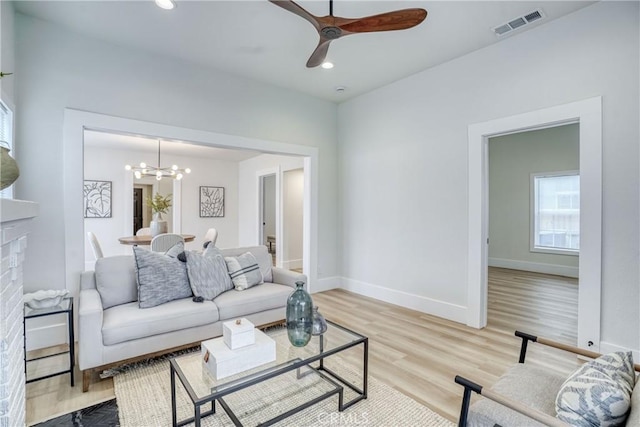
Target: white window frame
[
  {"x": 7, "y": 193},
  {"x": 532, "y": 214}
]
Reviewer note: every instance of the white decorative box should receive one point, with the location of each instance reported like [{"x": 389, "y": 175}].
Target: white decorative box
[
  {"x": 238, "y": 333},
  {"x": 223, "y": 362}
]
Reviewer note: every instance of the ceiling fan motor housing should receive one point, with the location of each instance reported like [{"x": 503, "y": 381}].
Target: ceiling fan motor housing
[{"x": 331, "y": 33}]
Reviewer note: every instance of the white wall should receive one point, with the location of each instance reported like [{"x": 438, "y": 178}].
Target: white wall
[
  {"x": 292, "y": 217},
  {"x": 403, "y": 160},
  {"x": 105, "y": 164},
  {"x": 512, "y": 159},
  {"x": 91, "y": 75}
]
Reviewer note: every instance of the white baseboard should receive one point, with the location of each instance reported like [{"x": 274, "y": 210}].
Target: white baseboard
[
  {"x": 325, "y": 284},
  {"x": 454, "y": 312},
  {"x": 607, "y": 347},
  {"x": 292, "y": 263},
  {"x": 536, "y": 267},
  {"x": 46, "y": 336}
]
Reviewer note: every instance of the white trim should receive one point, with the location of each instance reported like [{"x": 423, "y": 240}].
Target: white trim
[
  {"x": 327, "y": 284},
  {"x": 589, "y": 114},
  {"x": 47, "y": 336},
  {"x": 292, "y": 263},
  {"x": 536, "y": 267},
  {"x": 420, "y": 303},
  {"x": 76, "y": 121}
]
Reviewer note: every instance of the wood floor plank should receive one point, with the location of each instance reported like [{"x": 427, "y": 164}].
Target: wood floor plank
[{"x": 415, "y": 353}]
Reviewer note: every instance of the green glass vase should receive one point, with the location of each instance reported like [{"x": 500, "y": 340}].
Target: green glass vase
[{"x": 299, "y": 316}]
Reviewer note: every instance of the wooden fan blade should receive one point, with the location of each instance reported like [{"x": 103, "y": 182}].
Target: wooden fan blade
[
  {"x": 298, "y": 10},
  {"x": 318, "y": 55},
  {"x": 390, "y": 21}
]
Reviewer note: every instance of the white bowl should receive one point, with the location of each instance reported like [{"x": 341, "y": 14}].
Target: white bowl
[{"x": 44, "y": 299}]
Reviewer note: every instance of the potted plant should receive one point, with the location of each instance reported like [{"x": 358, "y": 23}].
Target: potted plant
[{"x": 159, "y": 204}]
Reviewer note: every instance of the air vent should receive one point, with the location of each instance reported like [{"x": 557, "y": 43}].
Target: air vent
[{"x": 519, "y": 22}]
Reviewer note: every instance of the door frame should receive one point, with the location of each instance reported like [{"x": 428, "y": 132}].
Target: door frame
[
  {"x": 588, "y": 113},
  {"x": 260, "y": 175},
  {"x": 76, "y": 121}
]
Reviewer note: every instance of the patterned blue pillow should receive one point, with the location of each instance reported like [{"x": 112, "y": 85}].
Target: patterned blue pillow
[
  {"x": 599, "y": 392},
  {"x": 161, "y": 278},
  {"x": 208, "y": 274}
]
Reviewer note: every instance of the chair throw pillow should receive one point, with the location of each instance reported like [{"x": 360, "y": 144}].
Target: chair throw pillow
[
  {"x": 244, "y": 271},
  {"x": 599, "y": 392},
  {"x": 161, "y": 278},
  {"x": 208, "y": 274}
]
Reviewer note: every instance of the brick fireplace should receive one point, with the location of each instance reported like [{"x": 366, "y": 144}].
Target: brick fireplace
[{"x": 15, "y": 219}]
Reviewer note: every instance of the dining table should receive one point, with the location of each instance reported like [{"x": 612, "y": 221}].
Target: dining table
[{"x": 146, "y": 239}]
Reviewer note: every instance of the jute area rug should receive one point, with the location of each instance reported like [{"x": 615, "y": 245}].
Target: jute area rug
[{"x": 143, "y": 395}]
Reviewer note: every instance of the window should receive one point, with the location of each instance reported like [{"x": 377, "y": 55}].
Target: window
[
  {"x": 555, "y": 221},
  {"x": 6, "y": 135}
]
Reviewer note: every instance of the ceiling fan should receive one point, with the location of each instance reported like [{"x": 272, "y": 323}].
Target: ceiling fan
[{"x": 333, "y": 27}]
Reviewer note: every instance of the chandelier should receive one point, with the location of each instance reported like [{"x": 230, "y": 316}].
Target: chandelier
[{"x": 173, "y": 172}]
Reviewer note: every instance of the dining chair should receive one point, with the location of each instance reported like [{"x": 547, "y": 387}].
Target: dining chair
[
  {"x": 163, "y": 242},
  {"x": 146, "y": 231},
  {"x": 95, "y": 245},
  {"x": 211, "y": 236}
]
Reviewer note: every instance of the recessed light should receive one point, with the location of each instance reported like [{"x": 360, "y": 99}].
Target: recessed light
[
  {"x": 166, "y": 4},
  {"x": 327, "y": 65},
  {"x": 340, "y": 89}
]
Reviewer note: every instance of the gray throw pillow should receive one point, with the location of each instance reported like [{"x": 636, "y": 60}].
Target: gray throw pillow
[
  {"x": 244, "y": 271},
  {"x": 161, "y": 278},
  {"x": 208, "y": 274},
  {"x": 116, "y": 280},
  {"x": 599, "y": 392}
]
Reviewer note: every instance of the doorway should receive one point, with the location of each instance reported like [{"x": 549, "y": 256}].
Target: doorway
[
  {"x": 268, "y": 213},
  {"x": 292, "y": 219},
  {"x": 534, "y": 231},
  {"x": 588, "y": 113}
]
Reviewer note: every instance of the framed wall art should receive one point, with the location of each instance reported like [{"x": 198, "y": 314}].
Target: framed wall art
[
  {"x": 97, "y": 199},
  {"x": 211, "y": 202}
]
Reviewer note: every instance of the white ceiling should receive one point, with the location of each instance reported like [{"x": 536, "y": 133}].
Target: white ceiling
[
  {"x": 150, "y": 145},
  {"x": 261, "y": 41}
]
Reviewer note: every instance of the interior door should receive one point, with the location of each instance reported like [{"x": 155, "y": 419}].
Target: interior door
[{"x": 137, "y": 209}]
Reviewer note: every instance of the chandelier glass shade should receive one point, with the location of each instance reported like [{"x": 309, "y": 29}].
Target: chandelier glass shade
[{"x": 159, "y": 172}]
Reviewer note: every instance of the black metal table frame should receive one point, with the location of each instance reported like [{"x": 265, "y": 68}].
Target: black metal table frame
[
  {"x": 71, "y": 351},
  {"x": 273, "y": 372}
]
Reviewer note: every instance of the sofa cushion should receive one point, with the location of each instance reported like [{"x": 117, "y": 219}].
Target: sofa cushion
[
  {"x": 208, "y": 275},
  {"x": 161, "y": 278},
  {"x": 244, "y": 271},
  {"x": 128, "y": 322},
  {"x": 599, "y": 392},
  {"x": 264, "y": 258},
  {"x": 233, "y": 304},
  {"x": 539, "y": 393},
  {"x": 116, "y": 280}
]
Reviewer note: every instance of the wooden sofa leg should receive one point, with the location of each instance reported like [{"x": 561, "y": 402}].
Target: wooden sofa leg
[{"x": 86, "y": 380}]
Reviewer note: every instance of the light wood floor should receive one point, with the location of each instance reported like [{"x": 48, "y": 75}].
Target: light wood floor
[{"x": 415, "y": 353}]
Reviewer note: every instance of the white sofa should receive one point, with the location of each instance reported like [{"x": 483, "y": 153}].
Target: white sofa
[{"x": 125, "y": 332}]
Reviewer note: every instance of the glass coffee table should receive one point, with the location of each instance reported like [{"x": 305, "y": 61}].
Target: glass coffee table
[{"x": 299, "y": 378}]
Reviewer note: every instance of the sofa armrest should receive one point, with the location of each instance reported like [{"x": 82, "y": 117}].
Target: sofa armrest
[
  {"x": 288, "y": 277},
  {"x": 470, "y": 386},
  {"x": 90, "y": 329},
  {"x": 87, "y": 280}
]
